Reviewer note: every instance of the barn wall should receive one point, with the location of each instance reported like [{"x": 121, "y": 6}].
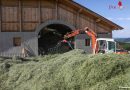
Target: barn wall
[
  {"x": 29, "y": 41},
  {"x": 103, "y": 32},
  {"x": 26, "y": 15},
  {"x": 22, "y": 17}
]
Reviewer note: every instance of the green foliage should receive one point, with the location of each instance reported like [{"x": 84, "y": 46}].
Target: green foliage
[
  {"x": 69, "y": 71},
  {"x": 126, "y": 46}
]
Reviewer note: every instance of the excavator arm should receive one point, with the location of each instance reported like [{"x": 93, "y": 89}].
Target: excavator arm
[
  {"x": 89, "y": 32},
  {"x": 71, "y": 34}
]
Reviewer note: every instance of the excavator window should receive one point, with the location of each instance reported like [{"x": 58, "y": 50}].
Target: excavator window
[
  {"x": 102, "y": 44},
  {"x": 111, "y": 46}
]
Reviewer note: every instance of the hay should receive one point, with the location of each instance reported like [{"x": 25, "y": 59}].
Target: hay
[{"x": 69, "y": 71}]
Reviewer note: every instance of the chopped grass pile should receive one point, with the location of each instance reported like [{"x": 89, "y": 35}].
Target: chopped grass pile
[{"x": 73, "y": 70}]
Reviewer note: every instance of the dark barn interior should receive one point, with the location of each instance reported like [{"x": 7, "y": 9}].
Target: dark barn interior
[{"x": 50, "y": 39}]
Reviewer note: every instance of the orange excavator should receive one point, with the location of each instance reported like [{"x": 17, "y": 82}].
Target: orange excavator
[{"x": 98, "y": 45}]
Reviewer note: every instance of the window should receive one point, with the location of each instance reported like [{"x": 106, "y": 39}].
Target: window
[
  {"x": 102, "y": 44},
  {"x": 87, "y": 42},
  {"x": 111, "y": 45},
  {"x": 17, "y": 41}
]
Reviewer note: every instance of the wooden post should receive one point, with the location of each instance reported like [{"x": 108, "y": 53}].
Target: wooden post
[
  {"x": 20, "y": 15},
  {"x": 78, "y": 18},
  {"x": 0, "y": 16},
  {"x": 56, "y": 7},
  {"x": 39, "y": 8},
  {"x": 95, "y": 27}
]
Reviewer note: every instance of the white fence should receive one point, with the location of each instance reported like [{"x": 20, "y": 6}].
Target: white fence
[{"x": 11, "y": 55}]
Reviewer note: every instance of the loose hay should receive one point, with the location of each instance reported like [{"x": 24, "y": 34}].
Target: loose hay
[{"x": 69, "y": 71}]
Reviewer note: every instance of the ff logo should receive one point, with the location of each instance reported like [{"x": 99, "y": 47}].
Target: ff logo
[{"x": 120, "y": 5}]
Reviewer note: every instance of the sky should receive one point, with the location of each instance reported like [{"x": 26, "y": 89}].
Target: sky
[{"x": 110, "y": 10}]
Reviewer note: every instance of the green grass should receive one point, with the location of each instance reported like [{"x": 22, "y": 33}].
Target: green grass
[{"x": 69, "y": 71}]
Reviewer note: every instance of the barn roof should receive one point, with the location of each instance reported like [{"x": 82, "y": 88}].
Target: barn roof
[{"x": 98, "y": 18}]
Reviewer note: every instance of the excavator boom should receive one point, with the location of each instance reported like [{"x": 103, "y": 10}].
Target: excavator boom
[
  {"x": 71, "y": 34},
  {"x": 89, "y": 32}
]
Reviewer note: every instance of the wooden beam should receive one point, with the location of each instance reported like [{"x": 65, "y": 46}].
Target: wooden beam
[
  {"x": 19, "y": 22},
  {"x": 9, "y": 30},
  {"x": 56, "y": 11},
  {"x": 98, "y": 20},
  {"x": 20, "y": 15},
  {"x": 80, "y": 10},
  {"x": 39, "y": 8},
  {"x": 78, "y": 18},
  {"x": 95, "y": 27},
  {"x": 0, "y": 16}
]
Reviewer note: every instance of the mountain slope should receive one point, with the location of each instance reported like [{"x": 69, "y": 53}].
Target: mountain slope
[{"x": 123, "y": 40}]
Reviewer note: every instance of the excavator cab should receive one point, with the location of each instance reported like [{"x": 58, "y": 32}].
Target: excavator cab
[{"x": 105, "y": 45}]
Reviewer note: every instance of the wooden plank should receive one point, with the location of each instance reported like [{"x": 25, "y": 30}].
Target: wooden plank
[
  {"x": 10, "y": 13},
  {"x": 77, "y": 22},
  {"x": 20, "y": 15},
  {"x": 47, "y": 14},
  {"x": 30, "y": 21},
  {"x": 30, "y": 14},
  {"x": 66, "y": 16},
  {"x": 56, "y": 9},
  {"x": 27, "y": 27},
  {"x": 95, "y": 27},
  {"x": 11, "y": 27},
  {"x": 47, "y": 4},
  {"x": 19, "y": 22},
  {"x": 9, "y": 3},
  {"x": 0, "y": 16},
  {"x": 39, "y": 8},
  {"x": 10, "y": 17},
  {"x": 10, "y": 21},
  {"x": 30, "y": 3}
]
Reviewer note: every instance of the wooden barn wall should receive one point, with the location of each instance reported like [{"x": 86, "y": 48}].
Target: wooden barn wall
[
  {"x": 86, "y": 22},
  {"x": 9, "y": 15},
  {"x": 67, "y": 14},
  {"x": 26, "y": 15},
  {"x": 19, "y": 18},
  {"x": 29, "y": 15},
  {"x": 47, "y": 10},
  {"x": 103, "y": 29}
]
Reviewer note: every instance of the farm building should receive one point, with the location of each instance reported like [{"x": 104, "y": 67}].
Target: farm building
[{"x": 30, "y": 23}]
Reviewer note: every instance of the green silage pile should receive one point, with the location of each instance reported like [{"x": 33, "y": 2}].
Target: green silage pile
[{"x": 73, "y": 70}]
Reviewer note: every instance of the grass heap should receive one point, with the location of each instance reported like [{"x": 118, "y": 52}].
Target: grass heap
[{"x": 73, "y": 70}]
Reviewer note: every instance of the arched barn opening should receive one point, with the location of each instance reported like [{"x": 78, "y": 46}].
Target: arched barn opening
[{"x": 50, "y": 39}]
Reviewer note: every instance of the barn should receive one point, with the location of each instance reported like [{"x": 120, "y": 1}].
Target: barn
[{"x": 40, "y": 24}]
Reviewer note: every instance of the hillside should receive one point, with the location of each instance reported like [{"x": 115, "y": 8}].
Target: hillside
[
  {"x": 123, "y": 40},
  {"x": 73, "y": 70},
  {"x": 123, "y": 43}
]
